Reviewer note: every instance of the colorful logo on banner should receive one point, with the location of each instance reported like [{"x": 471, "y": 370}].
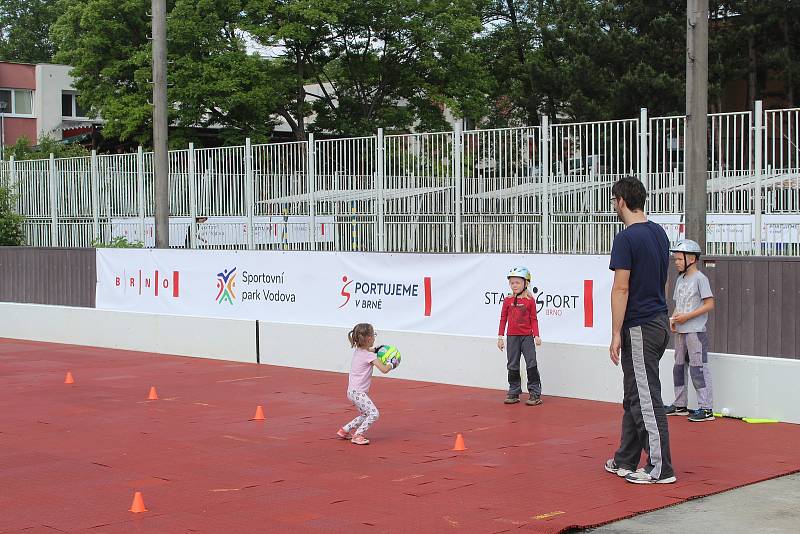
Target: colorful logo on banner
[
  {"x": 152, "y": 284},
  {"x": 556, "y": 304},
  {"x": 226, "y": 281},
  {"x": 370, "y": 295}
]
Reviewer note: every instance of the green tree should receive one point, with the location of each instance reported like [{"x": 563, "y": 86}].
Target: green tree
[
  {"x": 399, "y": 65},
  {"x": 358, "y": 65},
  {"x": 213, "y": 80},
  {"x": 373, "y": 64},
  {"x": 650, "y": 54},
  {"x": 25, "y": 29},
  {"x": 587, "y": 60},
  {"x": 512, "y": 35},
  {"x": 603, "y": 59},
  {"x": 756, "y": 41},
  {"x": 105, "y": 41},
  {"x": 300, "y": 29}
]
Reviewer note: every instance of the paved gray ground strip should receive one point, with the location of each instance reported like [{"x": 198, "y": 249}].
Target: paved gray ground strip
[{"x": 770, "y": 507}]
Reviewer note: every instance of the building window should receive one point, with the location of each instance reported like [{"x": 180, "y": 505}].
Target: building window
[
  {"x": 5, "y": 98},
  {"x": 17, "y": 101},
  {"x": 70, "y": 106},
  {"x": 66, "y": 105},
  {"x": 23, "y": 102}
]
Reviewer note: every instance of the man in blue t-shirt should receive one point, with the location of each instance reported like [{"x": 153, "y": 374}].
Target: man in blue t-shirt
[{"x": 640, "y": 331}]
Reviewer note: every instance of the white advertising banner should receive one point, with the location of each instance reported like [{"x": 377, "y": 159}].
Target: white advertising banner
[{"x": 437, "y": 293}]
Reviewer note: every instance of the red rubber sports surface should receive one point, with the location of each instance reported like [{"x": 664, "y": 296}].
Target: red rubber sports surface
[{"x": 72, "y": 456}]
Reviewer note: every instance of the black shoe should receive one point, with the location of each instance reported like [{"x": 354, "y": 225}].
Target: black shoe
[
  {"x": 676, "y": 410},
  {"x": 534, "y": 400},
  {"x": 511, "y": 399},
  {"x": 700, "y": 415}
]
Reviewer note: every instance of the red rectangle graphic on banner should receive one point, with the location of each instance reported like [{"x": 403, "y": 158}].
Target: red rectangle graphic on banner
[
  {"x": 427, "y": 296},
  {"x": 588, "y": 303}
]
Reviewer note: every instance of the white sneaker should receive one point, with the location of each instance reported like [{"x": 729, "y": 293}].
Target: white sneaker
[
  {"x": 612, "y": 467},
  {"x": 642, "y": 477}
]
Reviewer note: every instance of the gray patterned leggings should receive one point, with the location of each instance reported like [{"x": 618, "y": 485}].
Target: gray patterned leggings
[{"x": 369, "y": 412}]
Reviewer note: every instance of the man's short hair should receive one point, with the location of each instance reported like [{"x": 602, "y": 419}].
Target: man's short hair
[{"x": 632, "y": 191}]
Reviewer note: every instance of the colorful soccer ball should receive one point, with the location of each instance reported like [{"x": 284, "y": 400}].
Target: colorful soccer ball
[{"x": 389, "y": 354}]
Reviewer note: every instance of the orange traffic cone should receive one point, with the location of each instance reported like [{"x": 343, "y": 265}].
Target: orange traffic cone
[
  {"x": 259, "y": 416},
  {"x": 137, "y": 506},
  {"x": 68, "y": 379},
  {"x": 153, "y": 395},
  {"x": 459, "y": 445}
]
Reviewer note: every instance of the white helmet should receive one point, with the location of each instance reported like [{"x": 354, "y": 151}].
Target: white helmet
[
  {"x": 688, "y": 246},
  {"x": 520, "y": 272}
]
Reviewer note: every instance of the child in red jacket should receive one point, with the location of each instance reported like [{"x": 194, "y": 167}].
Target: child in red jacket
[{"x": 519, "y": 311}]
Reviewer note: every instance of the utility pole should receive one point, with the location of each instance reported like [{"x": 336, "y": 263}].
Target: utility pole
[
  {"x": 160, "y": 161},
  {"x": 696, "y": 144}
]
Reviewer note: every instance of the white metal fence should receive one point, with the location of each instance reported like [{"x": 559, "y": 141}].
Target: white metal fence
[{"x": 533, "y": 189}]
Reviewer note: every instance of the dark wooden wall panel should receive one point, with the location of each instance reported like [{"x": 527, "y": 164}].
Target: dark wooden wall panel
[
  {"x": 774, "y": 309},
  {"x": 748, "y": 288},
  {"x": 60, "y": 276},
  {"x": 735, "y": 303},
  {"x": 796, "y": 312},
  {"x": 760, "y": 305},
  {"x": 757, "y": 304},
  {"x": 719, "y": 286},
  {"x": 788, "y": 310},
  {"x": 711, "y": 325}
]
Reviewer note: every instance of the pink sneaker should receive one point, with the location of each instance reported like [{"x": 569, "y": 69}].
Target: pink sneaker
[
  {"x": 341, "y": 434},
  {"x": 359, "y": 439}
]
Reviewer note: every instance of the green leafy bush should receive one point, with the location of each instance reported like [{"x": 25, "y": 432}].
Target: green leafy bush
[
  {"x": 11, "y": 234},
  {"x": 117, "y": 242}
]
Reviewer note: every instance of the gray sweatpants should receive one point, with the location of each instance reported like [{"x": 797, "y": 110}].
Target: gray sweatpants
[
  {"x": 691, "y": 357},
  {"x": 644, "y": 419},
  {"x": 516, "y": 347}
]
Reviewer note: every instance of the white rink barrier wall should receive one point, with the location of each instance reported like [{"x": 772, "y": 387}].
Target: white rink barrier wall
[
  {"x": 749, "y": 386},
  {"x": 221, "y": 339}
]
